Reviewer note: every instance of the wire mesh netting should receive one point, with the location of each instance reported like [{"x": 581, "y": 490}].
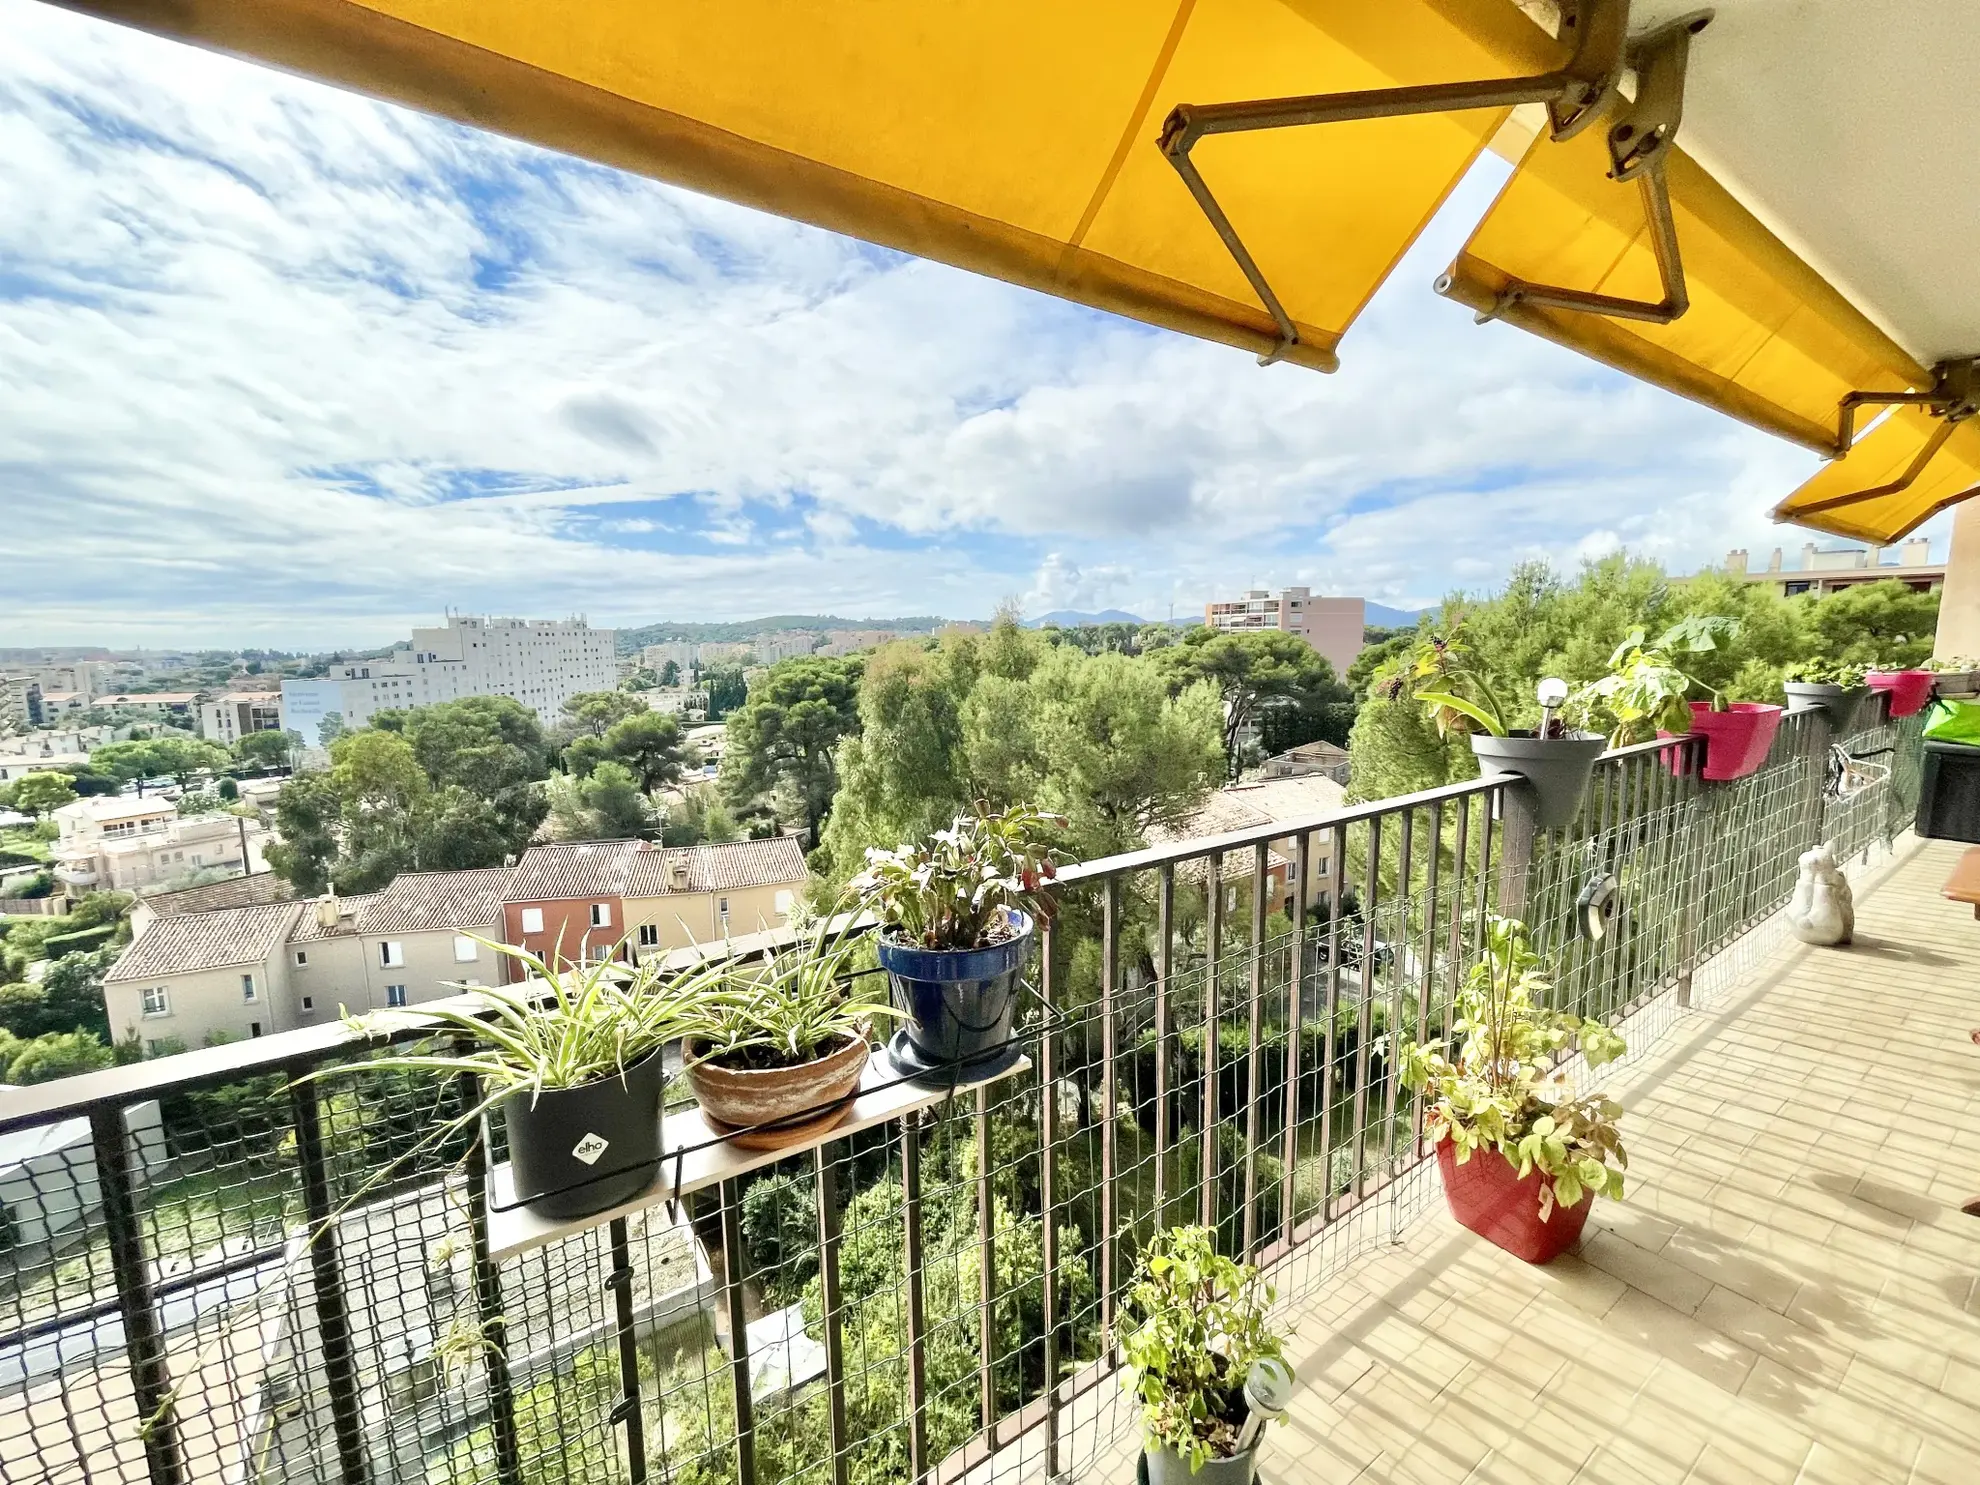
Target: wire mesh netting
[{"x": 259, "y": 1279}]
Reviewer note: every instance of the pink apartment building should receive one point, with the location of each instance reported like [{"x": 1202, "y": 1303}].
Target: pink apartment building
[{"x": 1331, "y": 625}]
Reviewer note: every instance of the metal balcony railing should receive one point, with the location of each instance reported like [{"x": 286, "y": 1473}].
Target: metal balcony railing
[{"x": 212, "y": 1272}]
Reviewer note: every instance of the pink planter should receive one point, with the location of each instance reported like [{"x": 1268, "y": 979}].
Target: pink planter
[
  {"x": 1910, "y": 689},
  {"x": 1736, "y": 739},
  {"x": 1488, "y": 1195}
]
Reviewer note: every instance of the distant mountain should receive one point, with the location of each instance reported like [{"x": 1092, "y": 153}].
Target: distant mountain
[
  {"x": 1380, "y": 616},
  {"x": 1067, "y": 618},
  {"x": 631, "y": 640}
]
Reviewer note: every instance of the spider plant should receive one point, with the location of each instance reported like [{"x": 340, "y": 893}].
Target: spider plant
[{"x": 784, "y": 1010}]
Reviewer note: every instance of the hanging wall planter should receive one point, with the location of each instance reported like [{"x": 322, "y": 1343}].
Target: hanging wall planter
[
  {"x": 1842, "y": 703},
  {"x": 1555, "y": 769},
  {"x": 1737, "y": 740},
  {"x": 1909, "y": 689}
]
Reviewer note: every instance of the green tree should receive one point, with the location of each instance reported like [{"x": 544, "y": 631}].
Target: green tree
[
  {"x": 55, "y": 1055},
  {"x": 69, "y": 998},
  {"x": 594, "y": 713},
  {"x": 726, "y": 688},
  {"x": 1884, "y": 623},
  {"x": 650, "y": 745},
  {"x": 670, "y": 673},
  {"x": 269, "y": 749},
  {"x": 38, "y": 793},
  {"x": 786, "y": 733},
  {"x": 308, "y": 816},
  {"x": 700, "y": 818},
  {"x": 1249, "y": 669},
  {"x": 607, "y": 804}
]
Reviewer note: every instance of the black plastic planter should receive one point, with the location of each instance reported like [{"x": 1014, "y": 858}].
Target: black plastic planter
[
  {"x": 959, "y": 1003},
  {"x": 1844, "y": 704},
  {"x": 1556, "y": 769},
  {"x": 575, "y": 1151}
]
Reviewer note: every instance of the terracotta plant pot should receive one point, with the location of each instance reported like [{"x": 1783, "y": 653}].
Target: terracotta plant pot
[
  {"x": 739, "y": 1099},
  {"x": 1736, "y": 739},
  {"x": 1488, "y": 1195},
  {"x": 1910, "y": 689},
  {"x": 575, "y": 1151}
]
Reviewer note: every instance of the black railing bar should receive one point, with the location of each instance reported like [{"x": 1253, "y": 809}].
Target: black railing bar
[
  {"x": 832, "y": 1303},
  {"x": 738, "y": 1322},
  {"x": 1254, "y": 1035},
  {"x": 1048, "y": 1236},
  {"x": 332, "y": 1316},
  {"x": 1213, "y": 944},
  {"x": 917, "y": 1315},
  {"x": 1165, "y": 949},
  {"x": 1110, "y": 966},
  {"x": 1199, "y": 847},
  {"x": 1289, "y": 1139}
]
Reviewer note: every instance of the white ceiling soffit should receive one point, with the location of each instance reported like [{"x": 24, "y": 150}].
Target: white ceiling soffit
[{"x": 1852, "y": 129}]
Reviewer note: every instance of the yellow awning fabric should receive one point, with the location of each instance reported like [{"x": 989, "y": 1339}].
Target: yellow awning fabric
[
  {"x": 1879, "y": 458},
  {"x": 1016, "y": 138},
  {"x": 1766, "y": 339}
]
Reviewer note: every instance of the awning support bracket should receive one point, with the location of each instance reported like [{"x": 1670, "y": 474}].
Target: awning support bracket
[
  {"x": 1953, "y": 397},
  {"x": 1575, "y": 95},
  {"x": 1639, "y": 142}
]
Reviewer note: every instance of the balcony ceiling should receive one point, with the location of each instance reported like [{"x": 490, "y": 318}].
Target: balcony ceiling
[{"x": 1851, "y": 130}]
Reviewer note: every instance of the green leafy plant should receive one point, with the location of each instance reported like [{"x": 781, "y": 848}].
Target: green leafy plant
[
  {"x": 1951, "y": 665},
  {"x": 558, "y": 1028},
  {"x": 1444, "y": 675},
  {"x": 1503, "y": 1092},
  {"x": 788, "y": 1008},
  {"x": 1842, "y": 673},
  {"x": 1646, "y": 689},
  {"x": 951, "y": 890},
  {"x": 1196, "y": 1328}
]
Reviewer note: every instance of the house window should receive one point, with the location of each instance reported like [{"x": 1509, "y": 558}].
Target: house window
[
  {"x": 254, "y": 1028},
  {"x": 395, "y": 995},
  {"x": 784, "y": 901},
  {"x": 649, "y": 935},
  {"x": 722, "y": 912},
  {"x": 153, "y": 1001},
  {"x": 302, "y": 958},
  {"x": 309, "y": 1003},
  {"x": 154, "y": 1047},
  {"x": 466, "y": 951},
  {"x": 391, "y": 954},
  {"x": 532, "y": 920},
  {"x": 247, "y": 988},
  {"x": 601, "y": 915}
]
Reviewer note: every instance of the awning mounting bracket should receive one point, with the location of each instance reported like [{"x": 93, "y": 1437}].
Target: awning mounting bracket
[
  {"x": 1575, "y": 94},
  {"x": 1953, "y": 397}
]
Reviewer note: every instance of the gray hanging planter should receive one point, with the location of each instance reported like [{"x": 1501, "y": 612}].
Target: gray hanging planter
[
  {"x": 1843, "y": 703},
  {"x": 1556, "y": 769}
]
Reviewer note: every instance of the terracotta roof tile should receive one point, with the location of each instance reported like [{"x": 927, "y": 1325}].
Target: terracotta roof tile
[
  {"x": 575, "y": 869},
  {"x": 212, "y": 940},
  {"x": 720, "y": 868},
  {"x": 249, "y": 891},
  {"x": 423, "y": 901}
]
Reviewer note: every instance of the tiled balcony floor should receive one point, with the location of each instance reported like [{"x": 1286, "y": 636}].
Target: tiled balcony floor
[{"x": 1788, "y": 1294}]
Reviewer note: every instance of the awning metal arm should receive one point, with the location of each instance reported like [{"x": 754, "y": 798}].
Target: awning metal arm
[
  {"x": 1953, "y": 398},
  {"x": 1639, "y": 143},
  {"x": 1575, "y": 95}
]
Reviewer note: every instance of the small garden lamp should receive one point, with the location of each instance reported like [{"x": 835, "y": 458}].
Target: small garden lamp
[{"x": 1553, "y": 694}]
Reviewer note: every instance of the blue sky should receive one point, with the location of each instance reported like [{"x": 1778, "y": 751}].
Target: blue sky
[{"x": 283, "y": 366}]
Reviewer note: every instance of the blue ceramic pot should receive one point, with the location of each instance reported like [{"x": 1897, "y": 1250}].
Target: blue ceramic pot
[{"x": 959, "y": 1002}]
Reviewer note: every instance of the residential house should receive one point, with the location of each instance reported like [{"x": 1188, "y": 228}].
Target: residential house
[
  {"x": 19, "y": 766},
  {"x": 20, "y": 702},
  {"x": 1830, "y": 570},
  {"x": 159, "y": 703},
  {"x": 116, "y": 841},
  {"x": 1330, "y": 760},
  {"x": 202, "y": 976},
  {"x": 247, "y": 891},
  {"x": 1246, "y": 806}
]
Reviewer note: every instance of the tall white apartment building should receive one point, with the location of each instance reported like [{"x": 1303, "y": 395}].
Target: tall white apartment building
[
  {"x": 1330, "y": 625},
  {"x": 540, "y": 662}
]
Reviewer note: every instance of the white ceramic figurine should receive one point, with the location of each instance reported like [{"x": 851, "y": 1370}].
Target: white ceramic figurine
[{"x": 1822, "y": 911}]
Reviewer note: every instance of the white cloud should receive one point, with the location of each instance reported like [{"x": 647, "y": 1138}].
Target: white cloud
[{"x": 283, "y": 365}]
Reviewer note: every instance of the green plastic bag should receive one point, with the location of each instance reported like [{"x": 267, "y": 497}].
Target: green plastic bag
[{"x": 1954, "y": 721}]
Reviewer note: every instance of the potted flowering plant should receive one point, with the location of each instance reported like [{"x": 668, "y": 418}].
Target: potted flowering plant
[
  {"x": 1646, "y": 689},
  {"x": 1208, "y": 1370},
  {"x": 1554, "y": 762},
  {"x": 1832, "y": 686},
  {"x": 958, "y": 913},
  {"x": 1523, "y": 1156},
  {"x": 774, "y": 1049}
]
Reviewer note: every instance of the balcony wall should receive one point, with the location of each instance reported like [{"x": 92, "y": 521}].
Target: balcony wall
[{"x": 302, "y": 1287}]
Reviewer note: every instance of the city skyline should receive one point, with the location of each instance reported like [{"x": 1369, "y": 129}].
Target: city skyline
[{"x": 293, "y": 368}]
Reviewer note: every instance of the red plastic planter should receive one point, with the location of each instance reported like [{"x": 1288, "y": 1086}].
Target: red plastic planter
[
  {"x": 1736, "y": 739},
  {"x": 1488, "y": 1195},
  {"x": 1910, "y": 689}
]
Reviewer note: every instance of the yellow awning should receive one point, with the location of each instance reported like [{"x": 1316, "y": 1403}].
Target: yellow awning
[
  {"x": 1016, "y": 138},
  {"x": 1834, "y": 499},
  {"x": 1766, "y": 338}
]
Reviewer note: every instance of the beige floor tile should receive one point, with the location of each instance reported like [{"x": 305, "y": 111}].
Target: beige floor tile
[
  {"x": 1652, "y": 1326},
  {"x": 1733, "y": 1266},
  {"x": 1774, "y": 1336},
  {"x": 1647, "y": 1272}
]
